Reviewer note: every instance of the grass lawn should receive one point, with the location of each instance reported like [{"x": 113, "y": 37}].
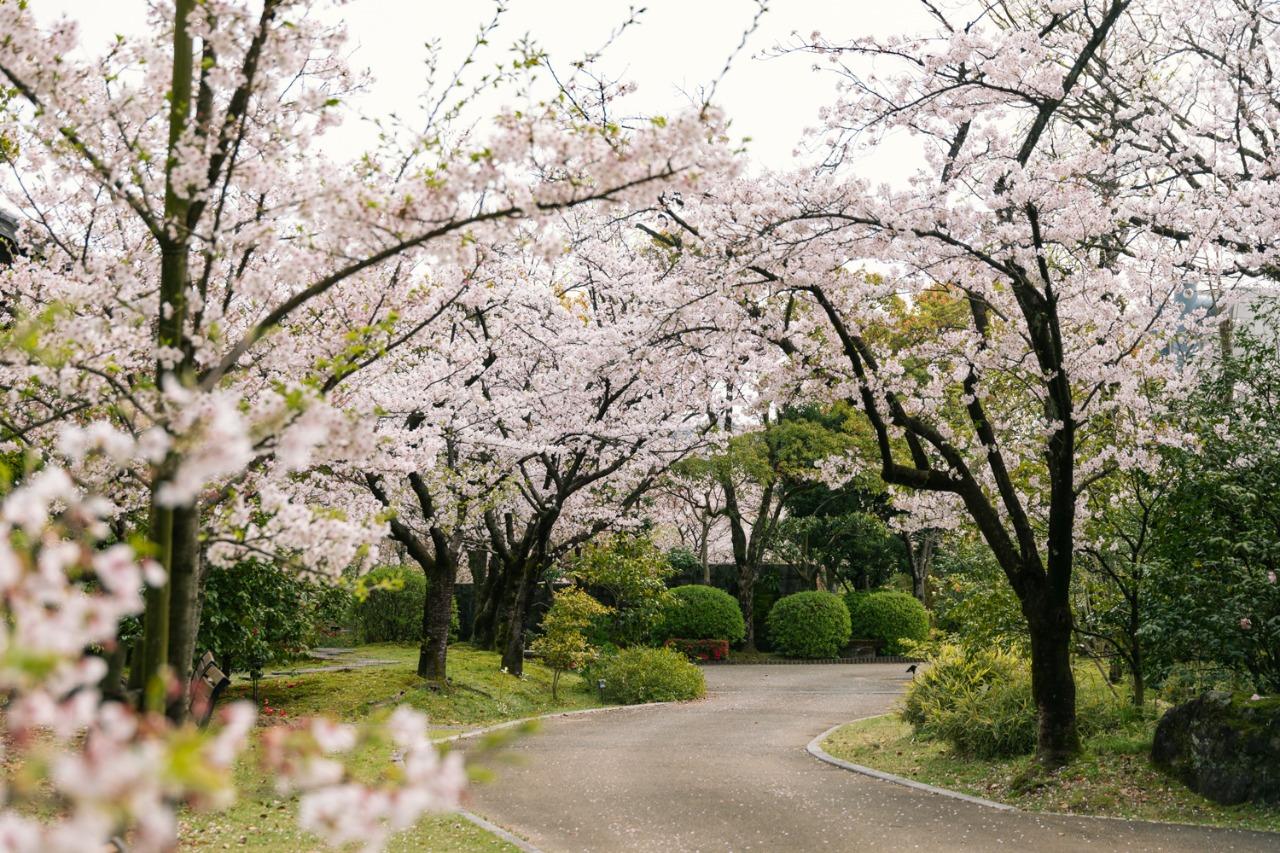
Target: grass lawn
[
  {"x": 1114, "y": 776},
  {"x": 478, "y": 694}
]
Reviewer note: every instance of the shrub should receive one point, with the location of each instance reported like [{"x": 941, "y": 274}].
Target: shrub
[
  {"x": 389, "y": 604},
  {"x": 889, "y": 617},
  {"x": 256, "y": 613},
  {"x": 809, "y": 625},
  {"x": 700, "y": 649},
  {"x": 952, "y": 674},
  {"x": 642, "y": 674},
  {"x": 563, "y": 645},
  {"x": 1187, "y": 681},
  {"x": 698, "y": 612},
  {"x": 979, "y": 703},
  {"x": 628, "y": 573}
]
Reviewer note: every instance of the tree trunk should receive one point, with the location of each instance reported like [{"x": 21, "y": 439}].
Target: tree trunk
[
  {"x": 1135, "y": 653},
  {"x": 112, "y": 684},
  {"x": 170, "y": 334},
  {"x": 702, "y": 552},
  {"x": 746, "y": 601},
  {"x": 483, "y": 626},
  {"x": 1053, "y": 685},
  {"x": 436, "y": 612},
  {"x": 184, "y": 593},
  {"x": 154, "y": 659},
  {"x": 513, "y": 647},
  {"x": 920, "y": 548}
]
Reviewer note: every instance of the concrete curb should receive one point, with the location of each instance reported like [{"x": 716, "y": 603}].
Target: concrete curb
[
  {"x": 493, "y": 829},
  {"x": 815, "y": 749}
]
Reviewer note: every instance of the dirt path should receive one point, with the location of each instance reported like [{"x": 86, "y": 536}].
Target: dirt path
[{"x": 731, "y": 773}]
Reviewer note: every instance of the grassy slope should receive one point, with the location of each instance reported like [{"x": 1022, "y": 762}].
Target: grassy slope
[
  {"x": 479, "y": 694},
  {"x": 1113, "y": 777}
]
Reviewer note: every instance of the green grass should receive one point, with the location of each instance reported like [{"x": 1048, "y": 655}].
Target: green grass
[
  {"x": 1113, "y": 777},
  {"x": 478, "y": 694}
]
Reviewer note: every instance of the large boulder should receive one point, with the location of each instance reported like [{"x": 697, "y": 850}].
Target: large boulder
[{"x": 1224, "y": 747}]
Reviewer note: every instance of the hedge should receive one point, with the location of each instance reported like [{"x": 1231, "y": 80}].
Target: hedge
[
  {"x": 699, "y": 612},
  {"x": 809, "y": 625},
  {"x": 392, "y": 610},
  {"x": 641, "y": 674},
  {"x": 889, "y": 617}
]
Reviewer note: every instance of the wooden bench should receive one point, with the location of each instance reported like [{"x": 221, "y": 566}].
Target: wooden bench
[{"x": 208, "y": 683}]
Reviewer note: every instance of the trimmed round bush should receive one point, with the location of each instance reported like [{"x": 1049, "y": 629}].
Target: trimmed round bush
[
  {"x": 699, "y": 612},
  {"x": 391, "y": 612},
  {"x": 888, "y": 616},
  {"x": 809, "y": 625},
  {"x": 641, "y": 674}
]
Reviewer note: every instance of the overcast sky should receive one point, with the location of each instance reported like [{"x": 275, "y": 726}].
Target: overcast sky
[{"x": 680, "y": 46}]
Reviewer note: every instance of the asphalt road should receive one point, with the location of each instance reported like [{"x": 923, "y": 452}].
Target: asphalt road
[{"x": 730, "y": 773}]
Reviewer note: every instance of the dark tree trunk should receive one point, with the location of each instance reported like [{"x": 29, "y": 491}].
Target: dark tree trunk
[
  {"x": 437, "y": 611},
  {"x": 513, "y": 647},
  {"x": 920, "y": 547},
  {"x": 1135, "y": 652},
  {"x": 1053, "y": 685},
  {"x": 112, "y": 684},
  {"x": 746, "y": 601},
  {"x": 484, "y": 626},
  {"x": 184, "y": 596},
  {"x": 702, "y": 552}
]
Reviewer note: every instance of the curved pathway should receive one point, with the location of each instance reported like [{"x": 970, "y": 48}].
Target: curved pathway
[{"x": 730, "y": 773}]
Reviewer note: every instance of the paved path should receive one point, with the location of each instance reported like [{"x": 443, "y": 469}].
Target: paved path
[{"x": 730, "y": 773}]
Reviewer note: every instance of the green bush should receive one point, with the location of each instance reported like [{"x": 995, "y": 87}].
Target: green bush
[
  {"x": 641, "y": 674},
  {"x": 889, "y": 617},
  {"x": 698, "y": 612},
  {"x": 257, "y": 614},
  {"x": 809, "y": 625},
  {"x": 979, "y": 703},
  {"x": 628, "y": 574},
  {"x": 951, "y": 674},
  {"x": 391, "y": 609},
  {"x": 1185, "y": 681}
]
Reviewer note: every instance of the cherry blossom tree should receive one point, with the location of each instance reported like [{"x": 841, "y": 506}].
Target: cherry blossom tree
[
  {"x": 1048, "y": 207},
  {"x": 206, "y": 277}
]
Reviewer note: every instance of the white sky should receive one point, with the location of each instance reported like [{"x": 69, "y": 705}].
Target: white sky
[{"x": 680, "y": 46}]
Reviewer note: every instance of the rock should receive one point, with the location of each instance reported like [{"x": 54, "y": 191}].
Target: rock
[{"x": 1224, "y": 747}]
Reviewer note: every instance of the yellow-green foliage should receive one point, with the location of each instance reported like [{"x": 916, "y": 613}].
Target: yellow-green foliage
[
  {"x": 563, "y": 644},
  {"x": 650, "y": 675},
  {"x": 979, "y": 702}
]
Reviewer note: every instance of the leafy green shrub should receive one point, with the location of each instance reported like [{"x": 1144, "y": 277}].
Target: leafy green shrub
[
  {"x": 1185, "y": 681},
  {"x": 698, "y": 612},
  {"x": 629, "y": 574},
  {"x": 641, "y": 674},
  {"x": 889, "y": 617},
  {"x": 256, "y": 614},
  {"x": 684, "y": 563},
  {"x": 389, "y": 604},
  {"x": 979, "y": 702},
  {"x": 951, "y": 674},
  {"x": 809, "y": 625},
  {"x": 563, "y": 645}
]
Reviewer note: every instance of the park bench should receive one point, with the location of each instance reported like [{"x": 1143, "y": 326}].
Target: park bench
[{"x": 208, "y": 683}]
